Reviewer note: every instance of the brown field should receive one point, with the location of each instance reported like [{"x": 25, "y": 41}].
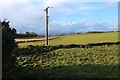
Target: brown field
[{"x": 21, "y": 40}]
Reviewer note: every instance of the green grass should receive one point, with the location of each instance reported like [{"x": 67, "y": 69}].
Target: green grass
[
  {"x": 78, "y": 39},
  {"x": 96, "y": 62}
]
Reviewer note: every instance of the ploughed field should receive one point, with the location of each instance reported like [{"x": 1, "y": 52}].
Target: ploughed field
[
  {"x": 33, "y": 39},
  {"x": 69, "y": 62}
]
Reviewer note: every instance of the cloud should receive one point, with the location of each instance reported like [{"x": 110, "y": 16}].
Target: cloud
[
  {"x": 113, "y": 26},
  {"x": 26, "y": 15},
  {"x": 89, "y": 23},
  {"x": 10, "y": 3},
  {"x": 69, "y": 24},
  {"x": 53, "y": 3},
  {"x": 88, "y": 8},
  {"x": 112, "y": 0},
  {"x": 80, "y": 26},
  {"x": 78, "y": 0}
]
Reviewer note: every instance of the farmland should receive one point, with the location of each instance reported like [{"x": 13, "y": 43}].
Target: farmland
[
  {"x": 19, "y": 40},
  {"x": 78, "y": 62},
  {"x": 96, "y": 62},
  {"x": 78, "y": 39},
  {"x": 50, "y": 39}
]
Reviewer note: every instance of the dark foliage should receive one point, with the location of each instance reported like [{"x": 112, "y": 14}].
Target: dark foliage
[
  {"x": 27, "y": 34},
  {"x": 95, "y": 32},
  {"x": 8, "y": 44},
  {"x": 30, "y": 49}
]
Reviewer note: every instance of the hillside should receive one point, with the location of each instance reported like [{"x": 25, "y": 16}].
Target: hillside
[{"x": 79, "y": 39}]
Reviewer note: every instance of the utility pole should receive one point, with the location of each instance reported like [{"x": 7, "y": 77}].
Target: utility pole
[{"x": 46, "y": 25}]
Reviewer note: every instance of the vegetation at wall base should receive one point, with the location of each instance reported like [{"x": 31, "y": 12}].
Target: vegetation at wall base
[{"x": 30, "y": 49}]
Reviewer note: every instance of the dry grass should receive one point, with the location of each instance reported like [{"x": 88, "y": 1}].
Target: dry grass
[{"x": 34, "y": 39}]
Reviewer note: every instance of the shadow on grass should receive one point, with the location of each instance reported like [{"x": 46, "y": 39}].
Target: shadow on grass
[
  {"x": 73, "y": 71},
  {"x": 30, "y": 49}
]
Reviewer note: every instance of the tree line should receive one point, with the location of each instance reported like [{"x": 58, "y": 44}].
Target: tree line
[{"x": 27, "y": 34}]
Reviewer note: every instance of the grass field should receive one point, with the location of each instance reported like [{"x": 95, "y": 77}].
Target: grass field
[
  {"x": 96, "y": 62},
  {"x": 78, "y": 39},
  {"x": 92, "y": 62}
]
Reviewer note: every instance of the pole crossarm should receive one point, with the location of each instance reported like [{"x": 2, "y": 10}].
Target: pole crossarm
[{"x": 46, "y": 9}]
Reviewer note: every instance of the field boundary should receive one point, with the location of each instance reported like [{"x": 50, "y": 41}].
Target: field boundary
[
  {"x": 30, "y": 49},
  {"x": 34, "y": 40}
]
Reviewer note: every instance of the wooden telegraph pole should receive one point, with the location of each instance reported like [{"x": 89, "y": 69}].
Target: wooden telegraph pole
[{"x": 46, "y": 26}]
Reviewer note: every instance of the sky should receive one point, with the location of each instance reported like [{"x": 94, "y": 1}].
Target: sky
[{"x": 65, "y": 16}]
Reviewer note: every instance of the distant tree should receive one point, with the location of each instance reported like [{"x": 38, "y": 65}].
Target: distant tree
[
  {"x": 95, "y": 32},
  {"x": 27, "y": 34},
  {"x": 8, "y": 44}
]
